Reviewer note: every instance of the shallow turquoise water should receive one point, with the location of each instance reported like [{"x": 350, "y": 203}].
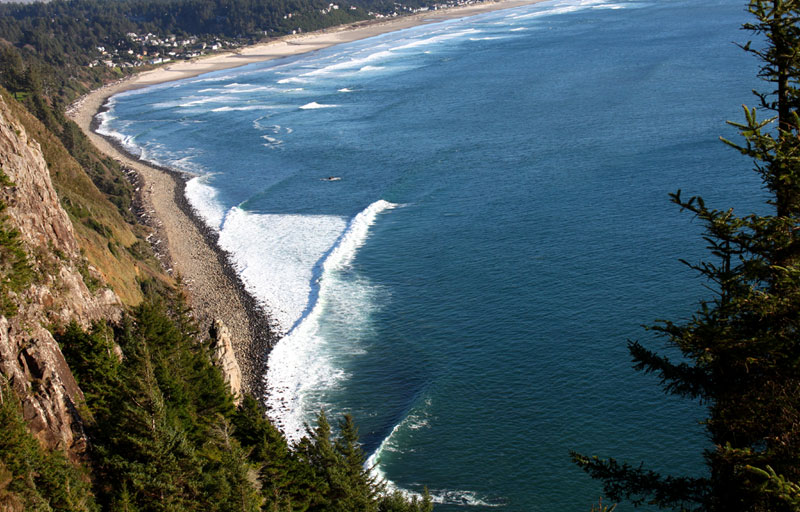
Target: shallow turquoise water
[{"x": 500, "y": 228}]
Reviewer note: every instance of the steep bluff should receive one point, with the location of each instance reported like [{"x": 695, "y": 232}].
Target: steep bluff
[{"x": 30, "y": 358}]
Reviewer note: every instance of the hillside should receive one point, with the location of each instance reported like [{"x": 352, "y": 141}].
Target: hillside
[
  {"x": 45, "y": 284},
  {"x": 113, "y": 245}
]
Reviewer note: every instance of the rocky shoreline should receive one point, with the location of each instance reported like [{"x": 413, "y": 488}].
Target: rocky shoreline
[
  {"x": 251, "y": 343},
  {"x": 186, "y": 246}
]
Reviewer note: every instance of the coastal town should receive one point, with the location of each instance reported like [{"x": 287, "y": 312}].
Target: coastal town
[
  {"x": 150, "y": 49},
  {"x": 136, "y": 50}
]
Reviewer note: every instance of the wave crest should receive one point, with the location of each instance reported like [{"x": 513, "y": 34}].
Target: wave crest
[{"x": 295, "y": 364}]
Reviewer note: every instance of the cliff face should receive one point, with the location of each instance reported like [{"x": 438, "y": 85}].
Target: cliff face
[{"x": 30, "y": 358}]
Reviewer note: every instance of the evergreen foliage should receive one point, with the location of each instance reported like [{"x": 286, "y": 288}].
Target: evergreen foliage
[
  {"x": 31, "y": 479},
  {"x": 398, "y": 502},
  {"x": 339, "y": 475},
  {"x": 740, "y": 350},
  {"x": 166, "y": 436},
  {"x": 284, "y": 481},
  {"x": 16, "y": 272}
]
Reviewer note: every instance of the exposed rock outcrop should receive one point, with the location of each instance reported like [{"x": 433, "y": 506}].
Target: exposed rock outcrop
[
  {"x": 30, "y": 359},
  {"x": 225, "y": 358}
]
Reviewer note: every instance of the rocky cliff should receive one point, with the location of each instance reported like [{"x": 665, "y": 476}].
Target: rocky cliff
[
  {"x": 225, "y": 358},
  {"x": 30, "y": 358}
]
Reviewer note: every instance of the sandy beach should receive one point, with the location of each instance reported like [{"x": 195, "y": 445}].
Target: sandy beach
[{"x": 186, "y": 246}]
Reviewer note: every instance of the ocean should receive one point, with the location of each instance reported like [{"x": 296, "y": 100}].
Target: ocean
[{"x": 458, "y": 226}]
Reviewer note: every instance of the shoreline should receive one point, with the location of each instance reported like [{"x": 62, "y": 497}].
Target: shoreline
[
  {"x": 282, "y": 47},
  {"x": 184, "y": 243},
  {"x": 252, "y": 343}
]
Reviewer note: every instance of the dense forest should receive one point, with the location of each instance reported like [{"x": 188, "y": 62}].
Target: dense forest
[{"x": 165, "y": 434}]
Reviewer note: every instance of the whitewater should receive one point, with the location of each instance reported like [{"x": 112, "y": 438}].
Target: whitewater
[{"x": 455, "y": 228}]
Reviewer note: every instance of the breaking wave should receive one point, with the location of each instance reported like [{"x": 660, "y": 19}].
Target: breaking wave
[
  {"x": 314, "y": 105},
  {"x": 296, "y": 363}
]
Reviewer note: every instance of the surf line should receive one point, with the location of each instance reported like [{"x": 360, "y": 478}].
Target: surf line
[
  {"x": 287, "y": 372},
  {"x": 441, "y": 496}
]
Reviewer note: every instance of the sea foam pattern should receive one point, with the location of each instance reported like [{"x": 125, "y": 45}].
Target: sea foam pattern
[
  {"x": 420, "y": 418},
  {"x": 277, "y": 258},
  {"x": 471, "y": 336},
  {"x": 295, "y": 363}
]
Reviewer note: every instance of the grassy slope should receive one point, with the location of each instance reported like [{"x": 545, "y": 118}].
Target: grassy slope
[{"x": 111, "y": 244}]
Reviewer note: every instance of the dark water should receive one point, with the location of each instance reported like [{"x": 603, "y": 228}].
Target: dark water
[{"x": 500, "y": 229}]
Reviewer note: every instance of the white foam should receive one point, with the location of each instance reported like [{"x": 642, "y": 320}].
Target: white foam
[
  {"x": 314, "y": 105},
  {"x": 203, "y": 199},
  {"x": 417, "y": 420},
  {"x": 297, "y": 364},
  {"x": 356, "y": 63},
  {"x": 259, "y": 125},
  {"x": 293, "y": 80},
  {"x": 568, "y": 6},
  {"x": 459, "y": 497},
  {"x": 271, "y": 142},
  {"x": 212, "y": 79},
  {"x": 488, "y": 38},
  {"x": 203, "y": 101},
  {"x": 104, "y": 128},
  {"x": 186, "y": 163},
  {"x": 437, "y": 39},
  {"x": 247, "y": 107},
  {"x": 275, "y": 255},
  {"x": 344, "y": 89},
  {"x": 345, "y": 64},
  {"x": 243, "y": 89}
]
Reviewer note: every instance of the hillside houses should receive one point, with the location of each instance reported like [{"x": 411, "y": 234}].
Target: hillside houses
[{"x": 150, "y": 49}]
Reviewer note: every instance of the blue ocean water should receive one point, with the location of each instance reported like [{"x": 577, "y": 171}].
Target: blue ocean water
[{"x": 500, "y": 228}]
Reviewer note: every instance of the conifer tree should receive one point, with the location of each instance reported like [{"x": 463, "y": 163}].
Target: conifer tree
[
  {"x": 226, "y": 477},
  {"x": 283, "y": 480},
  {"x": 360, "y": 488},
  {"x": 740, "y": 350},
  {"x": 147, "y": 450},
  {"x": 343, "y": 483}
]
